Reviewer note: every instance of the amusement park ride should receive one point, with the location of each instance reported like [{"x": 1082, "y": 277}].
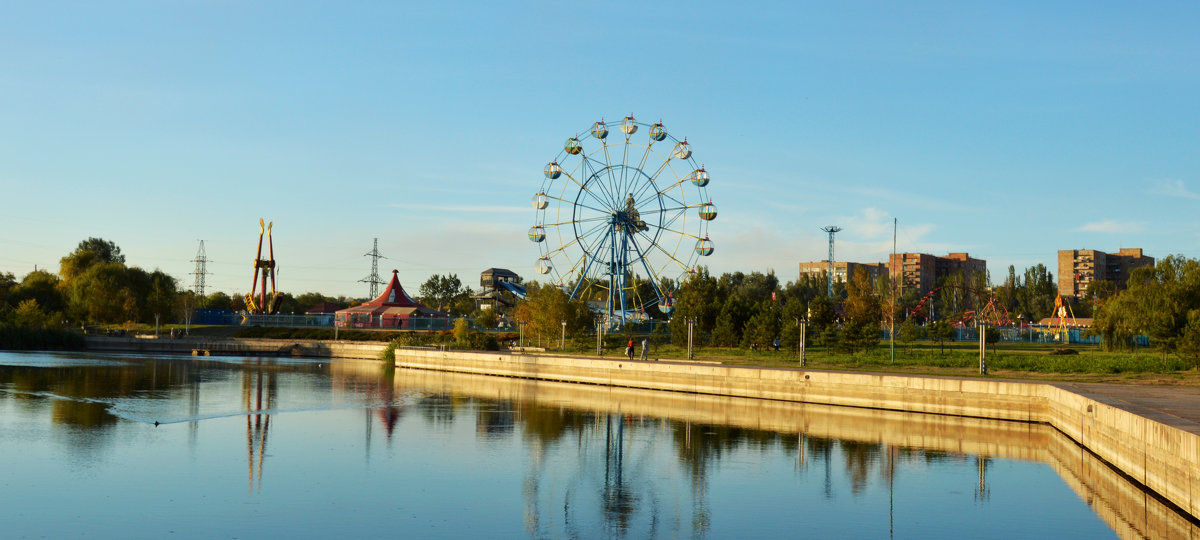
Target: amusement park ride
[
  {"x": 615, "y": 212},
  {"x": 992, "y": 313},
  {"x": 264, "y": 304}
]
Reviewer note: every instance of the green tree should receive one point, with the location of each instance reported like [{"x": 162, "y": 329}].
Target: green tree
[
  {"x": 485, "y": 318},
  {"x": 724, "y": 333},
  {"x": 101, "y": 294},
  {"x": 909, "y": 332},
  {"x": 696, "y": 299},
  {"x": 1035, "y": 297},
  {"x": 88, "y": 253},
  {"x": 544, "y": 310},
  {"x": 217, "y": 300},
  {"x": 42, "y": 286},
  {"x": 763, "y": 327},
  {"x": 161, "y": 297},
  {"x": 8, "y": 282},
  {"x": 441, "y": 291},
  {"x": 30, "y": 315},
  {"x": 462, "y": 331},
  {"x": 940, "y": 332}
]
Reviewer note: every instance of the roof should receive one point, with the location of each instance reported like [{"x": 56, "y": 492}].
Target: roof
[
  {"x": 393, "y": 300},
  {"x": 499, "y": 272},
  {"x": 324, "y": 307}
]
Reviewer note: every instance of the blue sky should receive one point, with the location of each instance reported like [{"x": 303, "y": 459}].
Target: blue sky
[{"x": 1008, "y": 130}]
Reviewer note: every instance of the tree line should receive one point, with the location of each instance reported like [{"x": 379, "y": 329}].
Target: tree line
[
  {"x": 754, "y": 309},
  {"x": 94, "y": 285}
]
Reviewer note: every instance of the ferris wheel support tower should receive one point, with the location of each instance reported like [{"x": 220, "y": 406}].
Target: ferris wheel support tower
[{"x": 832, "y": 230}]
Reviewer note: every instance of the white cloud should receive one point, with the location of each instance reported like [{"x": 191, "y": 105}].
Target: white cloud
[
  {"x": 1173, "y": 188},
  {"x": 1112, "y": 227}
]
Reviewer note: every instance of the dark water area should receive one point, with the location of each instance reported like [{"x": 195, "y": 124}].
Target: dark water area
[{"x": 265, "y": 447}]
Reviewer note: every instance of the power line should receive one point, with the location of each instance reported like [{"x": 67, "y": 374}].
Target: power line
[{"x": 373, "y": 279}]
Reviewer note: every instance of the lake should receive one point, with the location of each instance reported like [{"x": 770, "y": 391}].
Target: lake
[{"x": 105, "y": 445}]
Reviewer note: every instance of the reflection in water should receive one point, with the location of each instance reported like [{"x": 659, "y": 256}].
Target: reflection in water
[
  {"x": 256, "y": 431},
  {"x": 554, "y": 459}
]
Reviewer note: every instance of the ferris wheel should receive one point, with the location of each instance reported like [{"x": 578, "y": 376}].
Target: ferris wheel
[{"x": 617, "y": 216}]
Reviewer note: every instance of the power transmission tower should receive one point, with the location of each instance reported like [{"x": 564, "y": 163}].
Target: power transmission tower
[
  {"x": 201, "y": 270},
  {"x": 832, "y": 230},
  {"x": 373, "y": 279}
]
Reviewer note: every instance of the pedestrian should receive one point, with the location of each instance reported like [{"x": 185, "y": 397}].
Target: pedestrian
[
  {"x": 776, "y": 344},
  {"x": 629, "y": 349},
  {"x": 645, "y": 342}
]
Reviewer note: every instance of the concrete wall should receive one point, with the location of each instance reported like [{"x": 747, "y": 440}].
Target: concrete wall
[
  {"x": 239, "y": 347},
  {"x": 1164, "y": 458}
]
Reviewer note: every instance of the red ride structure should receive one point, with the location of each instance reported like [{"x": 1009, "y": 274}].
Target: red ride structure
[
  {"x": 263, "y": 305},
  {"x": 993, "y": 312}
]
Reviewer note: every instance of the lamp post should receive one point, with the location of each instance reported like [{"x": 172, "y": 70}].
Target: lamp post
[
  {"x": 599, "y": 337},
  {"x": 691, "y": 324},
  {"x": 562, "y": 341},
  {"x": 982, "y": 347},
  {"x": 521, "y": 325}
]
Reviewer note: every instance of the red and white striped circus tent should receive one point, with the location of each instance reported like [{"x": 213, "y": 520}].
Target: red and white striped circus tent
[{"x": 392, "y": 309}]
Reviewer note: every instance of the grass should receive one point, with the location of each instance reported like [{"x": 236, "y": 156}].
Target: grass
[{"x": 1008, "y": 360}]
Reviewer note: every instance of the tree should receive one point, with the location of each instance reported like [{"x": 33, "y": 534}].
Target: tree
[
  {"x": 441, "y": 291},
  {"x": 462, "y": 331},
  {"x": 941, "y": 331},
  {"x": 1035, "y": 298},
  {"x": 546, "y": 307},
  {"x": 29, "y": 315},
  {"x": 217, "y": 300},
  {"x": 42, "y": 286},
  {"x": 88, "y": 253},
  {"x": 908, "y": 332},
  {"x": 485, "y": 317},
  {"x": 724, "y": 334},
  {"x": 695, "y": 299},
  {"x": 161, "y": 296},
  {"x": 763, "y": 327},
  {"x": 8, "y": 282}
]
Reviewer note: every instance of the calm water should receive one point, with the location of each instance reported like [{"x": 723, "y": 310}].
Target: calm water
[{"x": 251, "y": 448}]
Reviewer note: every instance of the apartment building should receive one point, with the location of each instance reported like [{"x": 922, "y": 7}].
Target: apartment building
[
  {"x": 920, "y": 271},
  {"x": 1078, "y": 268},
  {"x": 843, "y": 270}
]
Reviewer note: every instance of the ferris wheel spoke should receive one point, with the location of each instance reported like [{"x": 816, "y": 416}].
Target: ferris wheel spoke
[
  {"x": 669, "y": 255},
  {"x": 581, "y": 205},
  {"x": 670, "y": 230},
  {"x": 584, "y": 220},
  {"x": 612, "y": 178},
  {"x": 651, "y": 275},
  {"x": 599, "y": 183}
]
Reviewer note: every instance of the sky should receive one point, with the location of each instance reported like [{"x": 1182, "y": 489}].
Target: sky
[{"x": 1008, "y": 130}]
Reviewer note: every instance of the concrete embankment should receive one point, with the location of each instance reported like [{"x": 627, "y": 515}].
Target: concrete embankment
[
  {"x": 367, "y": 350},
  {"x": 1160, "y": 451}
]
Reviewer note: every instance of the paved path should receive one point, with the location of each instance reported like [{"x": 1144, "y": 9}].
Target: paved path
[{"x": 1177, "y": 406}]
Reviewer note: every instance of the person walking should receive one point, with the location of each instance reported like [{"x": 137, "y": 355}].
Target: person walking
[
  {"x": 629, "y": 349},
  {"x": 645, "y": 344}
]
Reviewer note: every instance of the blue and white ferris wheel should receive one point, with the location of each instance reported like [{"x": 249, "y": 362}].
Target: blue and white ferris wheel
[{"x": 619, "y": 215}]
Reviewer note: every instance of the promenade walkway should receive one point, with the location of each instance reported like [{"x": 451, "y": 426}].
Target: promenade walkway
[{"x": 1175, "y": 406}]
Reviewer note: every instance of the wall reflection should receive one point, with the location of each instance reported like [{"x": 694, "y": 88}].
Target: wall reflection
[{"x": 855, "y": 444}]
